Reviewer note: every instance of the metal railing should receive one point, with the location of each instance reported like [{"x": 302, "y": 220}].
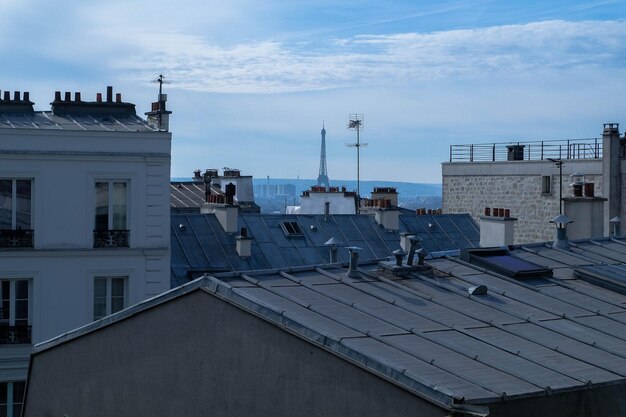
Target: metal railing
[
  {"x": 110, "y": 238},
  {"x": 15, "y": 334},
  {"x": 20, "y": 238},
  {"x": 528, "y": 151}
]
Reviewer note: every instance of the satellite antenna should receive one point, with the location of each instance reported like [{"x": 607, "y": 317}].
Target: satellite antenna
[{"x": 355, "y": 122}]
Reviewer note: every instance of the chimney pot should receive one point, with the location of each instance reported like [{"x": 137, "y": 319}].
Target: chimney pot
[
  {"x": 16, "y": 96},
  {"x": 99, "y": 97},
  {"x": 7, "y": 96},
  {"x": 109, "y": 94},
  {"x": 487, "y": 211},
  {"x": 68, "y": 96},
  {"x": 77, "y": 97},
  {"x": 118, "y": 97},
  {"x": 507, "y": 213},
  {"x": 26, "y": 96},
  {"x": 243, "y": 232},
  {"x": 57, "y": 96},
  {"x": 353, "y": 266}
]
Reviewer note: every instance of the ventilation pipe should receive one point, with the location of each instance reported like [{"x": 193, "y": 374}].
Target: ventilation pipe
[
  {"x": 616, "y": 222},
  {"x": 333, "y": 244},
  {"x": 414, "y": 242},
  {"x": 326, "y": 210},
  {"x": 399, "y": 255},
  {"x": 561, "y": 221},
  {"x": 353, "y": 267}
]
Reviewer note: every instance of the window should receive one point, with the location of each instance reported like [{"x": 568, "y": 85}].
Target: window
[
  {"x": 12, "y": 398},
  {"x": 546, "y": 185},
  {"x": 291, "y": 228},
  {"x": 15, "y": 213},
  {"x": 110, "y": 225},
  {"x": 109, "y": 295},
  {"x": 15, "y": 311}
]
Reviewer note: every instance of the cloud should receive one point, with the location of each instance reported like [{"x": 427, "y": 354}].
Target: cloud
[{"x": 280, "y": 67}]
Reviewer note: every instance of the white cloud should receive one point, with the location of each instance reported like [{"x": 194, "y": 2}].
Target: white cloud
[{"x": 279, "y": 67}]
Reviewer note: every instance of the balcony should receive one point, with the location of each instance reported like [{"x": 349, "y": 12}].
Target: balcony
[
  {"x": 110, "y": 238},
  {"x": 528, "y": 151},
  {"x": 20, "y": 238},
  {"x": 13, "y": 335}
]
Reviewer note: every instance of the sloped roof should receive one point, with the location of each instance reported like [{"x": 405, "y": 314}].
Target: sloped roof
[
  {"x": 45, "y": 120},
  {"x": 199, "y": 243},
  {"x": 423, "y": 330}
]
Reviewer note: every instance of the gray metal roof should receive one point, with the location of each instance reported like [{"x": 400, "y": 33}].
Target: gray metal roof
[
  {"x": 199, "y": 243},
  {"x": 189, "y": 196},
  {"x": 74, "y": 122},
  {"x": 422, "y": 329}
]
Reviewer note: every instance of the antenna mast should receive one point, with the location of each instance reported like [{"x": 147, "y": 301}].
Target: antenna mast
[{"x": 355, "y": 122}]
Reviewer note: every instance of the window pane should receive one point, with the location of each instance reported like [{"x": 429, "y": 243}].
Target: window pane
[
  {"x": 117, "y": 287},
  {"x": 117, "y": 294},
  {"x": 23, "y": 196},
  {"x": 99, "y": 298},
  {"x": 3, "y": 393},
  {"x": 6, "y": 204},
  {"x": 18, "y": 392},
  {"x": 100, "y": 288},
  {"x": 21, "y": 289},
  {"x": 119, "y": 205},
  {"x": 102, "y": 206},
  {"x": 5, "y": 288}
]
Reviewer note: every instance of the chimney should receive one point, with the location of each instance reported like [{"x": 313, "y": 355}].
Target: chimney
[
  {"x": 388, "y": 217},
  {"x": 77, "y": 97},
  {"x": 414, "y": 241},
  {"x": 353, "y": 266},
  {"x": 399, "y": 255},
  {"x": 586, "y": 212},
  {"x": 68, "y": 96},
  {"x": 7, "y": 96},
  {"x": 561, "y": 221},
  {"x": 611, "y": 175},
  {"x": 109, "y": 94},
  {"x": 226, "y": 214},
  {"x": 497, "y": 230},
  {"x": 333, "y": 244},
  {"x": 244, "y": 243},
  {"x": 118, "y": 97},
  {"x": 326, "y": 210}
]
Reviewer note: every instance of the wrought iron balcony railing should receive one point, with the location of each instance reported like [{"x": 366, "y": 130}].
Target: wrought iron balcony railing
[
  {"x": 15, "y": 334},
  {"x": 110, "y": 238},
  {"x": 20, "y": 238}
]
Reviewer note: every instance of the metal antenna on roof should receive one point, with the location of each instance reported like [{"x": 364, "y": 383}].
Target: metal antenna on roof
[
  {"x": 355, "y": 122},
  {"x": 161, "y": 80}
]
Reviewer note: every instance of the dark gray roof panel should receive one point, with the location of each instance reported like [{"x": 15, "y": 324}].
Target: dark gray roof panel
[
  {"x": 203, "y": 244},
  {"x": 84, "y": 122}
]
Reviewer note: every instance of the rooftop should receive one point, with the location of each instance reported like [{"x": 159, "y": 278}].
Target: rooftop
[{"x": 426, "y": 331}]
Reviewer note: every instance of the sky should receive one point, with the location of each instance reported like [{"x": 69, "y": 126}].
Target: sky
[{"x": 250, "y": 83}]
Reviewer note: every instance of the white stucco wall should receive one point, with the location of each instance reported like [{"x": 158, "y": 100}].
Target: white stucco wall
[{"x": 64, "y": 166}]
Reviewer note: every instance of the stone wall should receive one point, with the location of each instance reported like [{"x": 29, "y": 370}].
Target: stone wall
[{"x": 521, "y": 193}]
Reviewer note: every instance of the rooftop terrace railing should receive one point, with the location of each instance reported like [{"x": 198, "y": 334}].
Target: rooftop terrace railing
[{"x": 528, "y": 151}]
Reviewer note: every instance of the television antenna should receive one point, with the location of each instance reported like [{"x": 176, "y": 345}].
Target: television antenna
[
  {"x": 559, "y": 163},
  {"x": 161, "y": 80},
  {"x": 355, "y": 122}
]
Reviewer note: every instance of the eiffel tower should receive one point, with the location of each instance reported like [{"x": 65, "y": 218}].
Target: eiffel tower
[{"x": 322, "y": 178}]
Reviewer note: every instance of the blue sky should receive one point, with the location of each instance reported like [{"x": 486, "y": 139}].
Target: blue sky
[{"x": 252, "y": 81}]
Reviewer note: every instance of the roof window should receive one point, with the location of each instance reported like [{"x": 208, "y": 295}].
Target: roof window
[
  {"x": 291, "y": 229},
  {"x": 501, "y": 262}
]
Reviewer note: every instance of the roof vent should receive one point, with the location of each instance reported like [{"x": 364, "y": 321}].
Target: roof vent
[
  {"x": 353, "y": 267},
  {"x": 477, "y": 290},
  {"x": 333, "y": 244},
  {"x": 561, "y": 221}
]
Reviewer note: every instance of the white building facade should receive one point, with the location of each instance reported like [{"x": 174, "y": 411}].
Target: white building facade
[{"x": 84, "y": 221}]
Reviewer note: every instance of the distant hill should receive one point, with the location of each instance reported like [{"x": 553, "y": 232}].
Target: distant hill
[{"x": 406, "y": 189}]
